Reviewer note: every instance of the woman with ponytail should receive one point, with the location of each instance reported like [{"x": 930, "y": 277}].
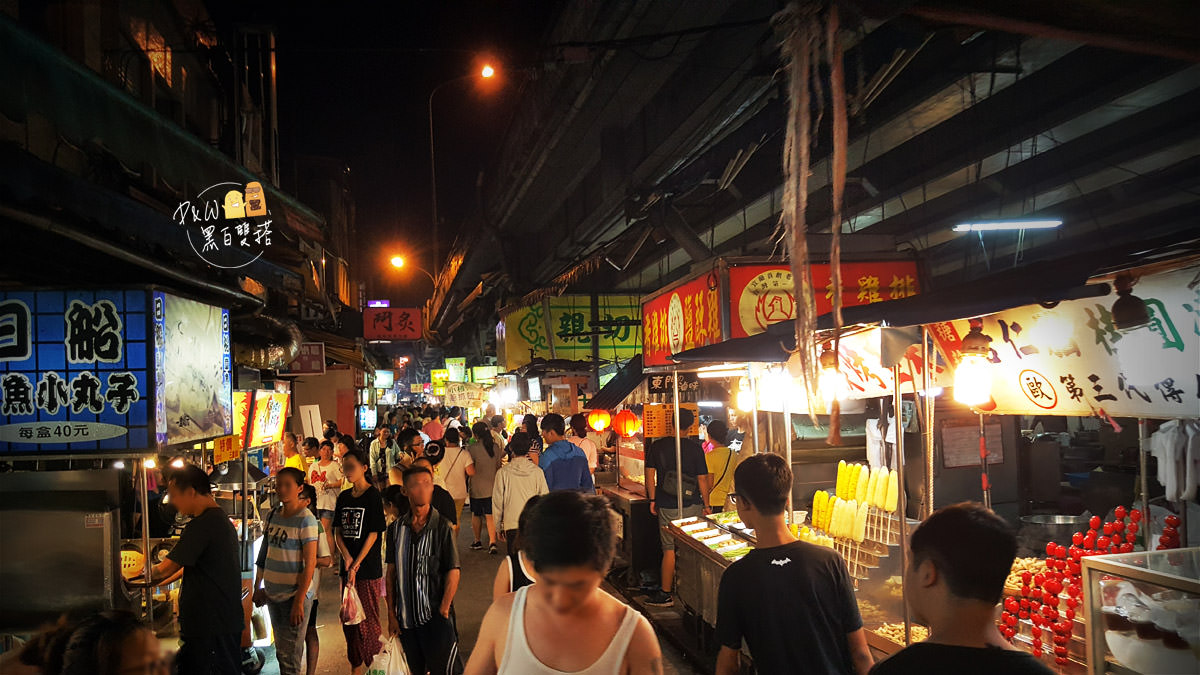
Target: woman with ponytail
[{"x": 487, "y": 457}]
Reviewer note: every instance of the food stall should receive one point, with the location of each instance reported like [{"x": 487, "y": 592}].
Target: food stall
[
  {"x": 1030, "y": 369},
  {"x": 115, "y": 378}
]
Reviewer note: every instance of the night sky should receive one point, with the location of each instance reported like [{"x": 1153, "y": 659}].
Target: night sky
[{"x": 354, "y": 82}]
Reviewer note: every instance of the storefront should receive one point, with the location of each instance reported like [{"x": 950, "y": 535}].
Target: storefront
[{"x": 977, "y": 448}]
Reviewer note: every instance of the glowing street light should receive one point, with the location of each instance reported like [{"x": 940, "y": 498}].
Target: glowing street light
[
  {"x": 398, "y": 262},
  {"x": 487, "y": 71}
]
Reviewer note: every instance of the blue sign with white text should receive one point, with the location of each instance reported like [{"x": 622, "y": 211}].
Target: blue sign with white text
[
  {"x": 75, "y": 372},
  {"x": 91, "y": 372}
]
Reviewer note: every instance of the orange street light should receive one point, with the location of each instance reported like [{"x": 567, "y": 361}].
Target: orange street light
[
  {"x": 398, "y": 262},
  {"x": 488, "y": 71}
]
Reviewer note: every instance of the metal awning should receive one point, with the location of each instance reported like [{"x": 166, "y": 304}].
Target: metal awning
[{"x": 628, "y": 378}]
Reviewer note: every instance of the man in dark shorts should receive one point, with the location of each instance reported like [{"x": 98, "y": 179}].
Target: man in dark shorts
[
  {"x": 961, "y": 556},
  {"x": 790, "y": 601},
  {"x": 661, "y": 485},
  {"x": 210, "y": 600}
]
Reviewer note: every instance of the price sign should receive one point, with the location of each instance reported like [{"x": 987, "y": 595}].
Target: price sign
[{"x": 225, "y": 449}]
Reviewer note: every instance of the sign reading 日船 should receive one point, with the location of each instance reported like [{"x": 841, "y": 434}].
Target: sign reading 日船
[
  {"x": 83, "y": 371},
  {"x": 1065, "y": 360}
]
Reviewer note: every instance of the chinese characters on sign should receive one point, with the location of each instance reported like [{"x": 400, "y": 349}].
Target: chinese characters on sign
[
  {"x": 685, "y": 317},
  {"x": 392, "y": 323},
  {"x": 527, "y": 331},
  {"x": 310, "y": 360},
  {"x": 664, "y": 383},
  {"x": 761, "y": 295},
  {"x": 74, "y": 371},
  {"x": 1038, "y": 370}
]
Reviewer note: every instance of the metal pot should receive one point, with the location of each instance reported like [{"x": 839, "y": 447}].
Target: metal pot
[{"x": 1039, "y": 529}]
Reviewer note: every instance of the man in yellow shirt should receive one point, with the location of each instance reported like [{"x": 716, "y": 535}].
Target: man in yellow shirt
[
  {"x": 291, "y": 454},
  {"x": 721, "y": 462}
]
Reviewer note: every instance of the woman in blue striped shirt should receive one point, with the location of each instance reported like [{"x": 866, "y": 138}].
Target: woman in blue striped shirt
[{"x": 286, "y": 563}]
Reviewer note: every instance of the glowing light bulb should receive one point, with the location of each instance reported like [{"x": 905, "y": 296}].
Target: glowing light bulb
[
  {"x": 150, "y": 463},
  {"x": 745, "y": 400},
  {"x": 177, "y": 463},
  {"x": 832, "y": 385},
  {"x": 973, "y": 380},
  {"x": 487, "y": 71}
]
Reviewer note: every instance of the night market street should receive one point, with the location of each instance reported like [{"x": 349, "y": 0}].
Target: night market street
[{"x": 755, "y": 337}]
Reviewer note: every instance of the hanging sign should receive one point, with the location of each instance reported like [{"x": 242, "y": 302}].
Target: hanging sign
[
  {"x": 194, "y": 374},
  {"x": 270, "y": 416},
  {"x": 684, "y": 317},
  {"x": 417, "y": 388},
  {"x": 689, "y": 383},
  {"x": 392, "y": 323},
  {"x": 439, "y": 376},
  {"x": 310, "y": 360},
  {"x": 226, "y": 449},
  {"x": 466, "y": 394},
  {"x": 1067, "y": 360},
  {"x": 484, "y": 374},
  {"x": 526, "y": 331},
  {"x": 761, "y": 295},
  {"x": 242, "y": 400},
  {"x": 456, "y": 368}
]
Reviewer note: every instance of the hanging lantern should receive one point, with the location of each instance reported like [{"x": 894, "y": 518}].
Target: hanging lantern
[
  {"x": 599, "y": 420},
  {"x": 832, "y": 384},
  {"x": 973, "y": 376},
  {"x": 1140, "y": 346},
  {"x": 626, "y": 423}
]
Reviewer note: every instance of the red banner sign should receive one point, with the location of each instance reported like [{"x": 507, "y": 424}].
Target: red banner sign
[
  {"x": 683, "y": 318},
  {"x": 392, "y": 323},
  {"x": 761, "y": 295}
]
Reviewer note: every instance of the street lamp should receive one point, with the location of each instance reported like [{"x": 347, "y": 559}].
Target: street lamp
[
  {"x": 398, "y": 262},
  {"x": 487, "y": 72}
]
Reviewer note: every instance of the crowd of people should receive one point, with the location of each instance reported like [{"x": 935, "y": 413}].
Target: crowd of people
[{"x": 386, "y": 517}]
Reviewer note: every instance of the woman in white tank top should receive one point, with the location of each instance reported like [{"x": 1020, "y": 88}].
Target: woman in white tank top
[
  {"x": 576, "y": 626},
  {"x": 519, "y": 659}
]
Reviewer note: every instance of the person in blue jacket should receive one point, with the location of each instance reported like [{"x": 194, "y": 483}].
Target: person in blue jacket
[{"x": 565, "y": 465}]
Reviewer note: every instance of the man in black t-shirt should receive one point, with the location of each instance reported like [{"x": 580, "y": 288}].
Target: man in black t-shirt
[
  {"x": 792, "y": 602},
  {"x": 662, "y": 484},
  {"x": 210, "y": 600},
  {"x": 961, "y": 556}
]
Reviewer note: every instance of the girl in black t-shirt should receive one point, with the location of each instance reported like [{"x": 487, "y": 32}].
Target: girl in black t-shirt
[{"x": 358, "y": 526}]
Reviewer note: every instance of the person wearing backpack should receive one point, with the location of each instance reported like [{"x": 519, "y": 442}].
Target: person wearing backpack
[
  {"x": 286, "y": 563},
  {"x": 661, "y": 487}
]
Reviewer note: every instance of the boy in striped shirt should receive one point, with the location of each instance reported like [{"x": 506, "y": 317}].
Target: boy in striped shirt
[{"x": 286, "y": 562}]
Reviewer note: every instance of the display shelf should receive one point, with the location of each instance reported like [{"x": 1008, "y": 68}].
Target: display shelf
[{"x": 1143, "y": 612}]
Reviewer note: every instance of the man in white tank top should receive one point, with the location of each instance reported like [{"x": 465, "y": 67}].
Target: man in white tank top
[{"x": 564, "y": 623}]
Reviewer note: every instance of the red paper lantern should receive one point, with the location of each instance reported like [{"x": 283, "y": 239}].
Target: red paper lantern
[
  {"x": 626, "y": 423},
  {"x": 599, "y": 420}
]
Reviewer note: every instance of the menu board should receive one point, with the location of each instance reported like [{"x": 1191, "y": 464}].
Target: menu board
[{"x": 270, "y": 416}]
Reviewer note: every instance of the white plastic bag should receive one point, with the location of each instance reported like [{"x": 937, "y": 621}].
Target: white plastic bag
[
  {"x": 390, "y": 660},
  {"x": 352, "y": 611}
]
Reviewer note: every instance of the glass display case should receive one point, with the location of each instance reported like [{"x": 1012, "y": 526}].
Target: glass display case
[
  {"x": 631, "y": 463},
  {"x": 1143, "y": 612}
]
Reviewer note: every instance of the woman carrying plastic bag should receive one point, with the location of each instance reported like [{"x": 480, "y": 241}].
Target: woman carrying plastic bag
[{"x": 391, "y": 660}]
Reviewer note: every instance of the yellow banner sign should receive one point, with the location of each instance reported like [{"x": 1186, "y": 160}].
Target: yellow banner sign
[{"x": 225, "y": 449}]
